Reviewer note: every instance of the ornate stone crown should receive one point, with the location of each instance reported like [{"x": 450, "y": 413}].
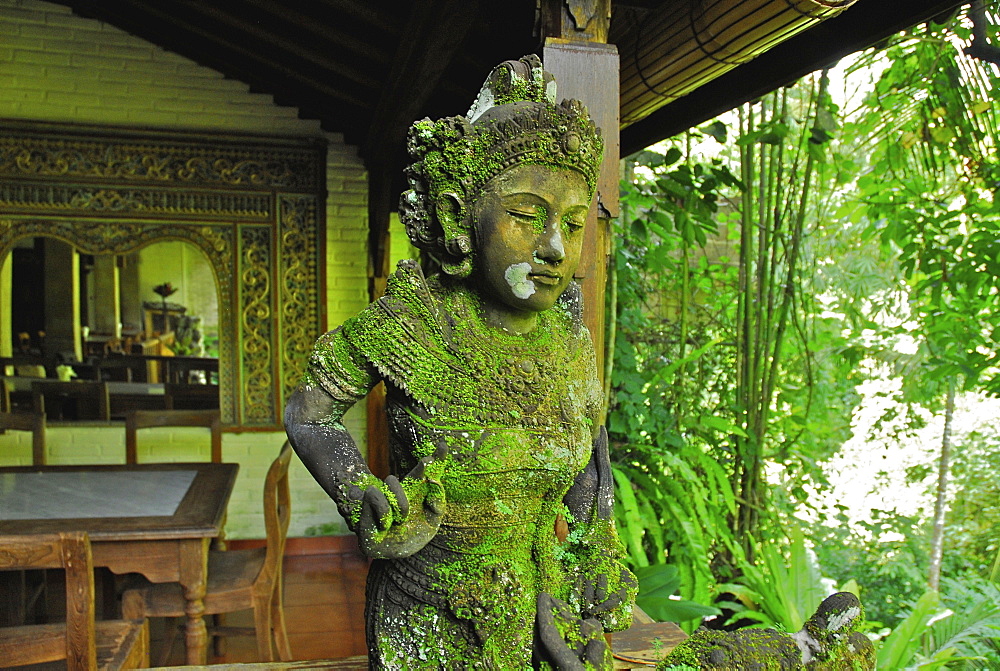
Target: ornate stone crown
[{"x": 514, "y": 121}]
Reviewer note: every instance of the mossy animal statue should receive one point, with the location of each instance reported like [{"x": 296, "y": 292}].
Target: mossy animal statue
[
  {"x": 493, "y": 545},
  {"x": 827, "y": 642}
]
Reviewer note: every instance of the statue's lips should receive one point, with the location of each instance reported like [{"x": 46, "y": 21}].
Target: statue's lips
[{"x": 545, "y": 278}]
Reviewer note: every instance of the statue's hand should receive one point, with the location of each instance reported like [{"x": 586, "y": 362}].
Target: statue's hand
[
  {"x": 565, "y": 642},
  {"x": 600, "y": 594},
  {"x": 387, "y": 531}
]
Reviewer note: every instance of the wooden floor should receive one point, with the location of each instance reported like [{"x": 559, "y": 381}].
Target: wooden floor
[{"x": 324, "y": 613}]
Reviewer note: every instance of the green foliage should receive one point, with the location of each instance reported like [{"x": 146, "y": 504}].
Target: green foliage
[
  {"x": 658, "y": 585},
  {"x": 814, "y": 249},
  {"x": 903, "y": 645},
  {"x": 668, "y": 509},
  {"x": 958, "y": 629},
  {"x": 887, "y": 557},
  {"x": 785, "y": 586},
  {"x": 973, "y": 541},
  {"x": 974, "y": 625},
  {"x": 929, "y": 193}
]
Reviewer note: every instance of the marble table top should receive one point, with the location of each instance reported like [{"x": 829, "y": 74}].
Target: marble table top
[{"x": 92, "y": 494}]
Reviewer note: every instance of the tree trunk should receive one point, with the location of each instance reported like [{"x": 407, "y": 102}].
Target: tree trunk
[{"x": 944, "y": 466}]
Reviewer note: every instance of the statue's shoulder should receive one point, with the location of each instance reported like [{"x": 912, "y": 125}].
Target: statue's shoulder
[
  {"x": 406, "y": 316},
  {"x": 408, "y": 291}
]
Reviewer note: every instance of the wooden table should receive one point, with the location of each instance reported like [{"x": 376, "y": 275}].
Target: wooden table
[{"x": 153, "y": 519}]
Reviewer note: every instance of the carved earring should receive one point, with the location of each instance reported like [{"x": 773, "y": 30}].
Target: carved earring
[{"x": 451, "y": 212}]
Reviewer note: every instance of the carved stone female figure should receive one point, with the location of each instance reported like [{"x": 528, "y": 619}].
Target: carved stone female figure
[{"x": 493, "y": 541}]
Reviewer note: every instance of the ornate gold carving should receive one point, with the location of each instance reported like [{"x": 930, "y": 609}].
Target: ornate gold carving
[
  {"x": 103, "y": 237},
  {"x": 28, "y": 153},
  {"x": 255, "y": 304},
  {"x": 113, "y": 195},
  {"x": 61, "y": 199},
  {"x": 299, "y": 287}
]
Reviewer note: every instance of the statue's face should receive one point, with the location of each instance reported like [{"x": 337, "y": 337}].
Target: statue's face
[{"x": 529, "y": 226}]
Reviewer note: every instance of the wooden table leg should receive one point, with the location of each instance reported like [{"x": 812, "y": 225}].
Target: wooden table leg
[{"x": 194, "y": 569}]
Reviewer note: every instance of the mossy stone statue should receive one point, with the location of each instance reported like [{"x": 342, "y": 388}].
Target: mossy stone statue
[
  {"x": 493, "y": 542},
  {"x": 492, "y": 398}
]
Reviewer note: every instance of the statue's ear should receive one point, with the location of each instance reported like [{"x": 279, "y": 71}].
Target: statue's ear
[
  {"x": 451, "y": 215},
  {"x": 450, "y": 211}
]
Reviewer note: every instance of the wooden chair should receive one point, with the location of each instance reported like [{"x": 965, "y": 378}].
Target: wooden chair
[
  {"x": 82, "y": 642},
  {"x": 28, "y": 421},
  {"x": 91, "y": 398},
  {"x": 121, "y": 368},
  {"x": 146, "y": 419},
  {"x": 238, "y": 579}
]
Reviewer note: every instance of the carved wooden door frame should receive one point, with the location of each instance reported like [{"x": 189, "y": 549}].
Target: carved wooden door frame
[{"x": 254, "y": 205}]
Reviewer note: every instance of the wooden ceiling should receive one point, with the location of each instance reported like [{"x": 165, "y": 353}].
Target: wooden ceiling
[{"x": 367, "y": 69}]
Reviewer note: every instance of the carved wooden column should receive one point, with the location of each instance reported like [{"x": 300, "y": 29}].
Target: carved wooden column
[{"x": 586, "y": 68}]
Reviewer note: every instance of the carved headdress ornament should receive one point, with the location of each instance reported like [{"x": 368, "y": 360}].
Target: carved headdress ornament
[{"x": 514, "y": 121}]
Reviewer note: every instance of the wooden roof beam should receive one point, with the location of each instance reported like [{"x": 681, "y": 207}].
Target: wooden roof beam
[
  {"x": 367, "y": 12},
  {"x": 330, "y": 40},
  {"x": 435, "y": 31}
]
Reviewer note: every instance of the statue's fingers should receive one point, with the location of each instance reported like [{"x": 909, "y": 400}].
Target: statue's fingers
[
  {"x": 609, "y": 603},
  {"x": 377, "y": 506},
  {"x": 595, "y": 653},
  {"x": 550, "y": 636},
  {"x": 392, "y": 482},
  {"x": 589, "y": 595},
  {"x": 417, "y": 472}
]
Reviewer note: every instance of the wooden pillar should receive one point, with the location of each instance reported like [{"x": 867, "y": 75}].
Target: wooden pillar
[
  {"x": 586, "y": 68},
  {"x": 62, "y": 299},
  {"x": 130, "y": 299},
  {"x": 379, "y": 188},
  {"x": 6, "y": 299},
  {"x": 107, "y": 300}
]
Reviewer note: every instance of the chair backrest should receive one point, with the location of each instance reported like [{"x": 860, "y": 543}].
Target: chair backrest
[
  {"x": 145, "y": 419},
  {"x": 121, "y": 368},
  {"x": 277, "y": 514},
  {"x": 28, "y": 421},
  {"x": 4, "y": 393},
  {"x": 181, "y": 396},
  {"x": 74, "y": 641},
  {"x": 92, "y": 399}
]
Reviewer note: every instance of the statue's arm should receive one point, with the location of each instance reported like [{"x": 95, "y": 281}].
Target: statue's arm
[
  {"x": 313, "y": 424},
  {"x": 378, "y": 511}
]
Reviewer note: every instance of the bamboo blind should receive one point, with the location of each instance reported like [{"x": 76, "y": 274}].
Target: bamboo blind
[{"x": 681, "y": 45}]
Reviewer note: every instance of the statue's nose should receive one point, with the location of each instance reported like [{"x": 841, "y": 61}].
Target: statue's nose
[{"x": 550, "y": 244}]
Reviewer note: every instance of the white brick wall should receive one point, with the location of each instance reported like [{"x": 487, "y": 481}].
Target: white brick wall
[{"x": 55, "y": 66}]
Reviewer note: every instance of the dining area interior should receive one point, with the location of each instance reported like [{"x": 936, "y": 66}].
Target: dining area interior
[
  {"x": 127, "y": 566},
  {"x": 93, "y": 336}
]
